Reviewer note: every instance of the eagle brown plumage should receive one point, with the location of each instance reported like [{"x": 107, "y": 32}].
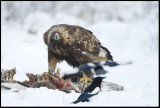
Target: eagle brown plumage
[{"x": 74, "y": 44}]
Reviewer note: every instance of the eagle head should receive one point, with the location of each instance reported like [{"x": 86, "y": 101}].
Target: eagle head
[{"x": 55, "y": 38}]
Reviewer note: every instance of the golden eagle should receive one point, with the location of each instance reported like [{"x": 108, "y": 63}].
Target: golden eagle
[{"x": 74, "y": 44}]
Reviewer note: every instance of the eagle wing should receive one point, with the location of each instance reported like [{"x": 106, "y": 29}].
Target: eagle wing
[{"x": 83, "y": 39}]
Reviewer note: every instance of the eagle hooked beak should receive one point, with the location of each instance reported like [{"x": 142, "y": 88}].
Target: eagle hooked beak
[
  {"x": 56, "y": 36},
  {"x": 53, "y": 37}
]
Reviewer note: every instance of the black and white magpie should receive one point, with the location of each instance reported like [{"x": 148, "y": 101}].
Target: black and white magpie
[{"x": 92, "y": 90}]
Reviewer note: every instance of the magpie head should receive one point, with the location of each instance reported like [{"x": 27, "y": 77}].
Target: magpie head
[{"x": 97, "y": 81}]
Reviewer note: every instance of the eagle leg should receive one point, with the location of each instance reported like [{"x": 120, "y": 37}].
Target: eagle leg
[{"x": 52, "y": 65}]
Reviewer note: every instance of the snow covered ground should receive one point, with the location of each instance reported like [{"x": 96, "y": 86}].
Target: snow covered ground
[{"x": 135, "y": 41}]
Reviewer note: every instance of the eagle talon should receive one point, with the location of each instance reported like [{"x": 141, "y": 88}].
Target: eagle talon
[
  {"x": 51, "y": 71},
  {"x": 85, "y": 79}
]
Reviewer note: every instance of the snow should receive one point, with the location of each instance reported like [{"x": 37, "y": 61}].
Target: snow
[
  {"x": 14, "y": 86},
  {"x": 134, "y": 38}
]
